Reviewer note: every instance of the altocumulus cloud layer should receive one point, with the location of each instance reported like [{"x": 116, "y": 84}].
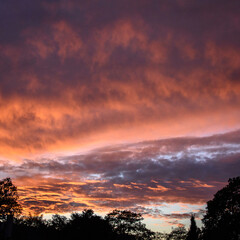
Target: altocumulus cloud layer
[
  {"x": 139, "y": 176},
  {"x": 73, "y": 72}
]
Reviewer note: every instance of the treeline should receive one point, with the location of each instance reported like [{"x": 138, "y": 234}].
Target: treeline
[
  {"x": 117, "y": 225},
  {"x": 221, "y": 221}
]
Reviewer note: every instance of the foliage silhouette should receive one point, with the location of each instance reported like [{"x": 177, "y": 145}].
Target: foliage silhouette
[
  {"x": 89, "y": 225},
  {"x": 222, "y": 219},
  {"x": 193, "y": 230},
  {"x": 8, "y": 199},
  {"x": 58, "y": 222},
  {"x": 160, "y": 236},
  {"x": 30, "y": 227},
  {"x": 178, "y": 233},
  {"x": 85, "y": 225},
  {"x": 128, "y": 223}
]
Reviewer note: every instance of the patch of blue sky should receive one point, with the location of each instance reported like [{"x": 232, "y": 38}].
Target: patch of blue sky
[
  {"x": 164, "y": 224},
  {"x": 94, "y": 176}
]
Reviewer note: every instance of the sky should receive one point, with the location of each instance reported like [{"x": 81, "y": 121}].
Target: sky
[{"x": 120, "y": 104}]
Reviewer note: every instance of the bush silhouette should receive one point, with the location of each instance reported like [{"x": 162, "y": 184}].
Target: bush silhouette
[
  {"x": 8, "y": 199},
  {"x": 222, "y": 219}
]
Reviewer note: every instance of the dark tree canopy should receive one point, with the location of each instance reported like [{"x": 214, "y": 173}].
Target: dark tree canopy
[
  {"x": 193, "y": 231},
  {"x": 222, "y": 219},
  {"x": 130, "y": 223},
  {"x": 221, "y": 222},
  {"x": 8, "y": 199},
  {"x": 178, "y": 233},
  {"x": 58, "y": 222}
]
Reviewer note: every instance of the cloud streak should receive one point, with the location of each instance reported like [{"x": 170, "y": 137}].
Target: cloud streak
[{"x": 179, "y": 170}]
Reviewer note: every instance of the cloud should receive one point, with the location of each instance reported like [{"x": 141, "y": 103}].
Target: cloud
[
  {"x": 178, "y": 170},
  {"x": 76, "y": 73},
  {"x": 120, "y": 84}
]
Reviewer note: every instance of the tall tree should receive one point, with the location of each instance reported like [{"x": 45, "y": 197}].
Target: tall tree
[
  {"x": 193, "y": 230},
  {"x": 89, "y": 226},
  {"x": 8, "y": 199},
  {"x": 128, "y": 224},
  {"x": 178, "y": 233},
  {"x": 222, "y": 219}
]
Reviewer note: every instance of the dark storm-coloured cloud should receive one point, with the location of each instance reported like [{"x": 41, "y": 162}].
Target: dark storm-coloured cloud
[
  {"x": 186, "y": 215},
  {"x": 187, "y": 170},
  {"x": 73, "y": 69}
]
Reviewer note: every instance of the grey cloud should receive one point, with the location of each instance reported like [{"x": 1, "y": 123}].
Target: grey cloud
[{"x": 155, "y": 171}]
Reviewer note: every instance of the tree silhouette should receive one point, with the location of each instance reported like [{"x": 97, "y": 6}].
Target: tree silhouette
[
  {"x": 193, "y": 231},
  {"x": 128, "y": 224},
  {"x": 89, "y": 226},
  {"x": 159, "y": 236},
  {"x": 30, "y": 227},
  {"x": 178, "y": 233},
  {"x": 58, "y": 222},
  {"x": 222, "y": 219},
  {"x": 8, "y": 199}
]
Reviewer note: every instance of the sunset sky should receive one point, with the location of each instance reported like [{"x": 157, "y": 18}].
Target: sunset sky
[{"x": 128, "y": 104}]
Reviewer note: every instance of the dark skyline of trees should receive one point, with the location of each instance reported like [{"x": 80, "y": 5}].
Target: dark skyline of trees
[{"x": 221, "y": 221}]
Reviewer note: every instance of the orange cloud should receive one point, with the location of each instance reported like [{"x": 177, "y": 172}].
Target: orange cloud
[
  {"x": 159, "y": 188},
  {"x": 86, "y": 85},
  {"x": 178, "y": 170},
  {"x": 79, "y": 76}
]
